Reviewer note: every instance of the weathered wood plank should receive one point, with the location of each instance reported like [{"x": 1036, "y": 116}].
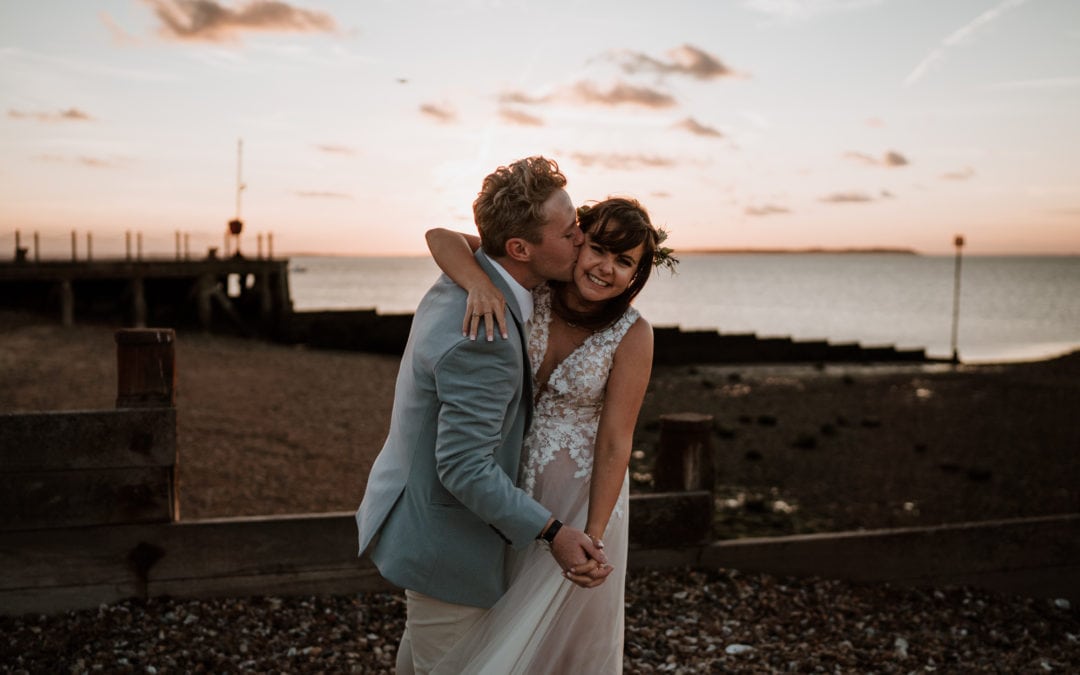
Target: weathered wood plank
[
  {"x": 92, "y": 439},
  {"x": 665, "y": 519},
  {"x": 226, "y": 547},
  {"x": 57, "y": 499},
  {"x": 46, "y": 571},
  {"x": 1032, "y": 555}
]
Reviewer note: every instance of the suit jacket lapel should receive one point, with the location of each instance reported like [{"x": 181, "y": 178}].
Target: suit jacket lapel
[{"x": 515, "y": 312}]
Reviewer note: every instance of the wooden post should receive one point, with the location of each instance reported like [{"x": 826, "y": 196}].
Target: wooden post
[
  {"x": 187, "y": 246},
  {"x": 127, "y": 245},
  {"x": 74, "y": 247},
  {"x": 37, "y": 248},
  {"x": 145, "y": 368},
  {"x": 684, "y": 460},
  {"x": 258, "y": 254},
  {"x": 20, "y": 252},
  {"x": 138, "y": 302},
  {"x": 178, "y": 245},
  {"x": 89, "y": 246},
  {"x": 138, "y": 246},
  {"x": 203, "y": 292},
  {"x": 266, "y": 301},
  {"x": 67, "y": 303},
  {"x": 270, "y": 245},
  {"x": 959, "y": 242}
]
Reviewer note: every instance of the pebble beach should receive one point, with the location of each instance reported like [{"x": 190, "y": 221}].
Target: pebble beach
[{"x": 273, "y": 429}]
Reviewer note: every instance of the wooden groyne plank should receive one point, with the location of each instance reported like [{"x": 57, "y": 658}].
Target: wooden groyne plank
[
  {"x": 89, "y": 439},
  {"x": 49, "y": 571},
  {"x": 1030, "y": 556}
]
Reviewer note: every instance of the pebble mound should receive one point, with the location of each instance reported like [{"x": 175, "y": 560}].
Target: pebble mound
[{"x": 677, "y": 621}]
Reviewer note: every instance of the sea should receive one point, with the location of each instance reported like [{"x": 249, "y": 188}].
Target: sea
[{"x": 1010, "y": 308}]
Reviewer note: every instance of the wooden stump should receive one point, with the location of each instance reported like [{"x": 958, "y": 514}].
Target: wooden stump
[
  {"x": 684, "y": 460},
  {"x": 145, "y": 368}
]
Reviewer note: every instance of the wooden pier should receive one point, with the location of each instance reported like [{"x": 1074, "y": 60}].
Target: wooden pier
[{"x": 237, "y": 294}]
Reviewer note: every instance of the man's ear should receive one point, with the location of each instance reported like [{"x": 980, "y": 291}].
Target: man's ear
[{"x": 518, "y": 249}]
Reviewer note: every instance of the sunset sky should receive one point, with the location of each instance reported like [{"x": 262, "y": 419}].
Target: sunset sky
[{"x": 739, "y": 123}]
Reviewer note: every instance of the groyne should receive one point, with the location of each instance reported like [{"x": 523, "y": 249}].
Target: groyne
[{"x": 250, "y": 297}]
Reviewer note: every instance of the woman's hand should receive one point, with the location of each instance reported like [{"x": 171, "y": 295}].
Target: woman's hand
[{"x": 485, "y": 302}]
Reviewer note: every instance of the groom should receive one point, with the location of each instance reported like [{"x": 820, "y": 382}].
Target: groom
[{"x": 441, "y": 503}]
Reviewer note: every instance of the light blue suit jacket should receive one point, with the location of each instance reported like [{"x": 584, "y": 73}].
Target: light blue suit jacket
[{"x": 441, "y": 503}]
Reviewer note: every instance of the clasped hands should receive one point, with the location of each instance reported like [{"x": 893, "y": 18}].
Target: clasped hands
[{"x": 581, "y": 557}]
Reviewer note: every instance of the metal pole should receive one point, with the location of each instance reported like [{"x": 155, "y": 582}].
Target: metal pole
[
  {"x": 187, "y": 246},
  {"x": 258, "y": 254},
  {"x": 127, "y": 245},
  {"x": 959, "y": 242},
  {"x": 74, "y": 247},
  {"x": 138, "y": 246},
  {"x": 89, "y": 246},
  {"x": 270, "y": 245},
  {"x": 18, "y": 243},
  {"x": 178, "y": 245},
  {"x": 37, "y": 249}
]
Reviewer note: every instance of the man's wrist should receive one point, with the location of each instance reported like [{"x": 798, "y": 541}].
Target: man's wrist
[{"x": 548, "y": 535}]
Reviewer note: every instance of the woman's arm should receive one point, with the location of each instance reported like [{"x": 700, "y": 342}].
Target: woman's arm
[
  {"x": 453, "y": 253},
  {"x": 626, "y": 386}
]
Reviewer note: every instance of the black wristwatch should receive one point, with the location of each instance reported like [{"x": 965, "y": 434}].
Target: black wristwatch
[{"x": 549, "y": 534}]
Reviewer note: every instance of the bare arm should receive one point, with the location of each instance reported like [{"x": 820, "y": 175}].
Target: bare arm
[
  {"x": 453, "y": 253},
  {"x": 615, "y": 435}
]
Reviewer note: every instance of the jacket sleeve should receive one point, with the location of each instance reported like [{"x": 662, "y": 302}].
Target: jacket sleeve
[{"x": 477, "y": 385}]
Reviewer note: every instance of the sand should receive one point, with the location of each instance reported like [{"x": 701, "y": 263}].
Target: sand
[
  {"x": 269, "y": 429},
  {"x": 274, "y": 429}
]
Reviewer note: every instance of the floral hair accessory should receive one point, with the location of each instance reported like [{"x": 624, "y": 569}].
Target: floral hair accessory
[{"x": 664, "y": 256}]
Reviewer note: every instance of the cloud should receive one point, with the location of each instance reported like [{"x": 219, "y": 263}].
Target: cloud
[
  {"x": 69, "y": 115},
  {"x": 958, "y": 36},
  {"x": 617, "y": 161},
  {"x": 963, "y": 174},
  {"x": 524, "y": 119},
  {"x": 698, "y": 129},
  {"x": 685, "y": 60},
  {"x": 319, "y": 194},
  {"x": 84, "y": 161},
  {"x": 210, "y": 21},
  {"x": 766, "y": 210},
  {"x": 889, "y": 159},
  {"x": 847, "y": 198},
  {"x": 802, "y": 9},
  {"x": 521, "y": 98},
  {"x": 622, "y": 93},
  {"x": 332, "y": 149},
  {"x": 97, "y": 162},
  {"x": 588, "y": 93},
  {"x": 440, "y": 113}
]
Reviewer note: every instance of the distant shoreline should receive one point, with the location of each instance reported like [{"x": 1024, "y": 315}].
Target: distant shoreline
[{"x": 801, "y": 251}]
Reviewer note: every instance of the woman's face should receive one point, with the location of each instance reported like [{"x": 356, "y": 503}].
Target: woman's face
[{"x": 601, "y": 274}]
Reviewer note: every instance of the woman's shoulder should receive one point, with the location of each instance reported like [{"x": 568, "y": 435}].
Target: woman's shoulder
[{"x": 638, "y": 336}]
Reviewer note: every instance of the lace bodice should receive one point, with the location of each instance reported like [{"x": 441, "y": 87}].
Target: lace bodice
[{"x": 567, "y": 411}]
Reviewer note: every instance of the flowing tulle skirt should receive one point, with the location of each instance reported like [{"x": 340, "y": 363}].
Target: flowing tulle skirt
[{"x": 544, "y": 623}]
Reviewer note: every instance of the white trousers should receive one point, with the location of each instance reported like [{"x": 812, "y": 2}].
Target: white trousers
[{"x": 432, "y": 627}]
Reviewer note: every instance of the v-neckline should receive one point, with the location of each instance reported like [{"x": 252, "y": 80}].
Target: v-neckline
[{"x": 541, "y": 387}]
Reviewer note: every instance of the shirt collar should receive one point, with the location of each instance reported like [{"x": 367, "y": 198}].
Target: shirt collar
[{"x": 521, "y": 294}]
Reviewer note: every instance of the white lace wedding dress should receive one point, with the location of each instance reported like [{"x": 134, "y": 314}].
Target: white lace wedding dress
[{"x": 544, "y": 623}]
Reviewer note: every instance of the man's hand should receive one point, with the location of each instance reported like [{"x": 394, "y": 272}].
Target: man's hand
[{"x": 582, "y": 561}]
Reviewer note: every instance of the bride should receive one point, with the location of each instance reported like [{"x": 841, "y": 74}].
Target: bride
[{"x": 591, "y": 355}]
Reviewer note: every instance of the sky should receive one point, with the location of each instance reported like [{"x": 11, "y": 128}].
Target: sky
[{"x": 737, "y": 123}]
